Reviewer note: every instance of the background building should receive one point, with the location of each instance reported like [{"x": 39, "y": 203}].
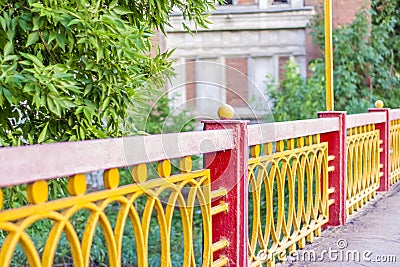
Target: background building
[{"x": 229, "y": 61}]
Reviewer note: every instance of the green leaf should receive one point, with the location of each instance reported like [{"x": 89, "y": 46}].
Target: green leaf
[
  {"x": 1, "y": 98},
  {"x": 33, "y": 37},
  {"x": 88, "y": 89},
  {"x": 82, "y": 133},
  {"x": 99, "y": 55},
  {"x": 52, "y": 88},
  {"x": 43, "y": 134},
  {"x": 67, "y": 103},
  {"x": 10, "y": 57},
  {"x": 8, "y": 48},
  {"x": 37, "y": 100},
  {"x": 61, "y": 40},
  {"x": 113, "y": 4},
  {"x": 24, "y": 25},
  {"x": 52, "y": 106},
  {"x": 36, "y": 21},
  {"x": 33, "y": 58},
  {"x": 3, "y": 23},
  {"x": 88, "y": 114},
  {"x": 108, "y": 19},
  {"x": 58, "y": 106},
  {"x": 7, "y": 95},
  {"x": 79, "y": 110},
  {"x": 121, "y": 10},
  {"x": 74, "y": 22},
  {"x": 30, "y": 138},
  {"x": 105, "y": 103}
]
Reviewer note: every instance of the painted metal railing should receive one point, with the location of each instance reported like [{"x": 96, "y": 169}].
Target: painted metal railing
[
  {"x": 288, "y": 182},
  {"x": 263, "y": 192},
  {"x": 394, "y": 146},
  {"x": 137, "y": 204},
  {"x": 363, "y": 159}
]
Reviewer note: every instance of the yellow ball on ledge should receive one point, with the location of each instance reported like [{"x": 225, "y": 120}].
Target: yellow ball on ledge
[
  {"x": 225, "y": 112},
  {"x": 379, "y": 104}
]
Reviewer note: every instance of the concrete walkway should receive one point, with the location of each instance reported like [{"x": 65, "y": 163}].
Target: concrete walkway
[{"x": 371, "y": 237}]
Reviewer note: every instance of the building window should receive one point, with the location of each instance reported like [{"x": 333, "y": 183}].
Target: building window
[{"x": 280, "y": 1}]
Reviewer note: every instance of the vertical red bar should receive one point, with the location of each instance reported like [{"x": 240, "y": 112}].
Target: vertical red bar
[
  {"x": 337, "y": 178},
  {"x": 228, "y": 169},
  {"x": 384, "y": 135}
]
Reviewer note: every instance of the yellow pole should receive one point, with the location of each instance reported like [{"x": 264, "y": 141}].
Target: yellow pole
[{"x": 328, "y": 56}]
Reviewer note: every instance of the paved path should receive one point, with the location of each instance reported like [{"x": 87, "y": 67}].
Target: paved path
[{"x": 370, "y": 237}]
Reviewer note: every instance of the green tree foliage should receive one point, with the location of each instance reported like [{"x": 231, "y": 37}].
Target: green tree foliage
[
  {"x": 366, "y": 67},
  {"x": 71, "y": 70},
  {"x": 74, "y": 70},
  {"x": 353, "y": 59},
  {"x": 163, "y": 119},
  {"x": 296, "y": 97},
  {"x": 386, "y": 39}
]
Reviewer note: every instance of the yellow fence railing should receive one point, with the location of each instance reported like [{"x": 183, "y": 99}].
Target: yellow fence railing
[
  {"x": 239, "y": 210},
  {"x": 289, "y": 197},
  {"x": 363, "y": 166},
  {"x": 144, "y": 205},
  {"x": 394, "y": 151}
]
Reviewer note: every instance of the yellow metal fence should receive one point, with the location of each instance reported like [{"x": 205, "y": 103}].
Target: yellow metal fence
[
  {"x": 394, "y": 151},
  {"x": 288, "y": 200},
  {"x": 136, "y": 205},
  {"x": 289, "y": 197},
  {"x": 363, "y": 166}
]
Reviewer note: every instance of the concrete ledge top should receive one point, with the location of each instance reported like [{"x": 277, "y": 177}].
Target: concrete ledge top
[
  {"x": 356, "y": 120},
  {"x": 394, "y": 114},
  {"x": 24, "y": 164},
  {"x": 249, "y": 9},
  {"x": 270, "y": 132},
  {"x": 249, "y": 18}
]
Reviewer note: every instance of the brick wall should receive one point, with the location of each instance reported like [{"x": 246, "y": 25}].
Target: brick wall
[
  {"x": 282, "y": 62},
  {"x": 343, "y": 12},
  {"x": 246, "y": 2},
  {"x": 236, "y": 81},
  {"x": 190, "y": 82}
]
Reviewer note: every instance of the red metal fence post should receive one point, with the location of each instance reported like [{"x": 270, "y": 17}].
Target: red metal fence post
[
  {"x": 384, "y": 135},
  {"x": 228, "y": 170},
  {"x": 337, "y": 178}
]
